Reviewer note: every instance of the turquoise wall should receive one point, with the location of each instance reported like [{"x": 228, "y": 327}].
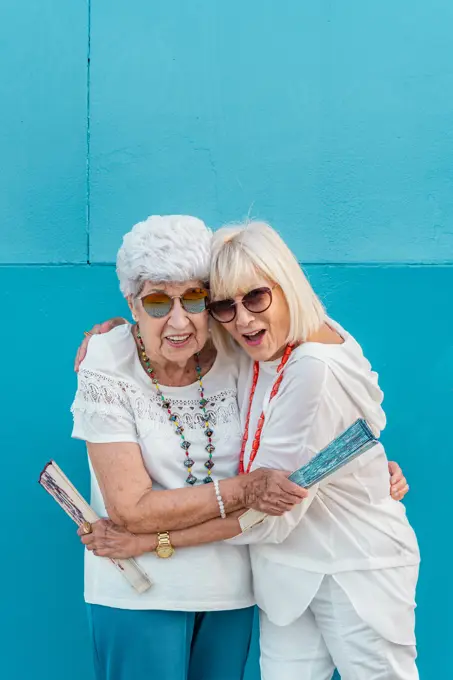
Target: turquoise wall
[{"x": 332, "y": 120}]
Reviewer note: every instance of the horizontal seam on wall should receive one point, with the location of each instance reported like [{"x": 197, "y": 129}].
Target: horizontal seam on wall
[{"x": 351, "y": 265}]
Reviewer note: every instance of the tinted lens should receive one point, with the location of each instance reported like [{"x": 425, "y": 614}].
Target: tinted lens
[
  {"x": 223, "y": 310},
  {"x": 157, "y": 305},
  {"x": 258, "y": 300},
  {"x": 194, "y": 300}
]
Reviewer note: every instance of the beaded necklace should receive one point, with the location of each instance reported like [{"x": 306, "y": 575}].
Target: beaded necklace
[
  {"x": 259, "y": 428},
  {"x": 179, "y": 430}
]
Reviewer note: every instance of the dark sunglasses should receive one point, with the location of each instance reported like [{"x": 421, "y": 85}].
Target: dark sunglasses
[
  {"x": 158, "y": 305},
  {"x": 255, "y": 301}
]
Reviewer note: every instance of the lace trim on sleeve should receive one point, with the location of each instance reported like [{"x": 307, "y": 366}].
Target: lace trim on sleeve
[{"x": 100, "y": 394}]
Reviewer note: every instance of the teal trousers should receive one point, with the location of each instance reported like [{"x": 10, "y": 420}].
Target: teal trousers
[{"x": 167, "y": 645}]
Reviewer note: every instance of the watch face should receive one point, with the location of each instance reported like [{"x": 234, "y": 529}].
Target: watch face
[{"x": 165, "y": 551}]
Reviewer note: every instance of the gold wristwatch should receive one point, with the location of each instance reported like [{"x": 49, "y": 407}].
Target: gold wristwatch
[{"x": 164, "y": 547}]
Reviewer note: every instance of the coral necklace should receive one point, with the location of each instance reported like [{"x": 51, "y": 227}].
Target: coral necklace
[
  {"x": 257, "y": 437},
  {"x": 179, "y": 430}
]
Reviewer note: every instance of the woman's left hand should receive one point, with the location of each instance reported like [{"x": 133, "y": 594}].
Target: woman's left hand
[
  {"x": 398, "y": 483},
  {"x": 110, "y": 540}
]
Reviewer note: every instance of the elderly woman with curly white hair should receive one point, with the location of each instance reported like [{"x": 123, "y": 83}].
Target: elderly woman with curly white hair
[
  {"x": 158, "y": 409},
  {"x": 261, "y": 301}
]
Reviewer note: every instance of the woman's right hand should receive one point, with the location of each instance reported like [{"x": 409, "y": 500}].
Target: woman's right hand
[
  {"x": 270, "y": 491},
  {"x": 106, "y": 539},
  {"x": 100, "y": 328}
]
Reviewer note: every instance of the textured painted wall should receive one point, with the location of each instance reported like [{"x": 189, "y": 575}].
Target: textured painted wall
[
  {"x": 43, "y": 139},
  {"x": 42, "y": 606},
  {"x": 334, "y": 121},
  {"x": 331, "y": 119}
]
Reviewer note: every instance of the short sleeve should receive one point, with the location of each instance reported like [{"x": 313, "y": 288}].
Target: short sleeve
[{"x": 101, "y": 409}]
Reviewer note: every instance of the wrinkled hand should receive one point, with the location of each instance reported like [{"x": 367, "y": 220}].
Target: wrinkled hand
[
  {"x": 398, "y": 483},
  {"x": 96, "y": 330},
  {"x": 270, "y": 491},
  {"x": 109, "y": 540}
]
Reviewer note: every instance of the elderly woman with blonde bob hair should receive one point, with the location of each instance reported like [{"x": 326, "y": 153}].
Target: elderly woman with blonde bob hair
[{"x": 335, "y": 575}]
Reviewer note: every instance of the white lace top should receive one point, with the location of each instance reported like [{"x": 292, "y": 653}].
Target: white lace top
[{"x": 116, "y": 402}]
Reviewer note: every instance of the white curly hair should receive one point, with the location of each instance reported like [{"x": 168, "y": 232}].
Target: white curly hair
[{"x": 164, "y": 248}]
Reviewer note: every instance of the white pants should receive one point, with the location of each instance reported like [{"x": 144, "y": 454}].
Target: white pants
[{"x": 330, "y": 635}]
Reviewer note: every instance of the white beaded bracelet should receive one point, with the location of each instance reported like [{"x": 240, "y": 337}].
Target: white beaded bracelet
[{"x": 218, "y": 495}]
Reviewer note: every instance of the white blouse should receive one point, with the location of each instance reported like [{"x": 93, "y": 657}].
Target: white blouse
[
  {"x": 116, "y": 402},
  {"x": 349, "y": 527}
]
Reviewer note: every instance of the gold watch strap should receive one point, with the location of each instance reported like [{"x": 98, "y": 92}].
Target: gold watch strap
[
  {"x": 163, "y": 538},
  {"x": 164, "y": 547}
]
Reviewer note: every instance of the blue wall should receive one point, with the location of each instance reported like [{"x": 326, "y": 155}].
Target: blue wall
[{"x": 332, "y": 120}]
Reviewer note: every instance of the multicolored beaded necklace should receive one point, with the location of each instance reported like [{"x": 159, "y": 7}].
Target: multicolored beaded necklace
[
  {"x": 259, "y": 428},
  {"x": 179, "y": 430}
]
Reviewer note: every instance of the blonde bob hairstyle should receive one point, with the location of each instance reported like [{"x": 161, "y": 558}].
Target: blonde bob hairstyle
[{"x": 244, "y": 252}]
